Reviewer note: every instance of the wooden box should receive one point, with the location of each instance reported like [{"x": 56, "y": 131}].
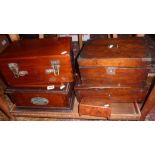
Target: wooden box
[
  {"x": 57, "y": 98},
  {"x": 117, "y": 62},
  {"x": 37, "y": 62},
  {"x": 114, "y": 72}
]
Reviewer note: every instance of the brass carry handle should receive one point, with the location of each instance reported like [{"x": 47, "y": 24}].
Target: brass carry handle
[{"x": 15, "y": 70}]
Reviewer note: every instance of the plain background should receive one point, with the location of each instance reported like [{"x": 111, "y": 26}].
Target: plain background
[{"x": 77, "y": 17}]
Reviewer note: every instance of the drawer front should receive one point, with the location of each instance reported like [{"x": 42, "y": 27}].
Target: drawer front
[
  {"x": 114, "y": 76},
  {"x": 37, "y": 71},
  {"x": 95, "y": 109},
  {"x": 113, "y": 94},
  {"x": 40, "y": 100}
]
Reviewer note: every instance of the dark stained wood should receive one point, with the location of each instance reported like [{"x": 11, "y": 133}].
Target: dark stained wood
[
  {"x": 35, "y": 56},
  {"x": 4, "y": 42},
  {"x": 149, "y": 104},
  {"x": 127, "y": 111},
  {"x": 130, "y": 52},
  {"x": 57, "y": 99},
  {"x": 113, "y": 94},
  {"x": 116, "y": 72},
  {"x": 5, "y": 108},
  {"x": 126, "y": 48},
  {"x": 113, "y": 62},
  {"x": 122, "y": 76}
]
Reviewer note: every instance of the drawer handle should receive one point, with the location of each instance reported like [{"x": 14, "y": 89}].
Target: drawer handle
[
  {"x": 39, "y": 101},
  {"x": 15, "y": 70}
]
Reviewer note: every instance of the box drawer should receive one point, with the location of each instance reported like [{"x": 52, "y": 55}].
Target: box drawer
[
  {"x": 113, "y": 111},
  {"x": 58, "y": 99},
  {"x": 114, "y": 94}
]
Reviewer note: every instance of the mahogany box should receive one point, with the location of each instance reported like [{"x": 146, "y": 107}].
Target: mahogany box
[
  {"x": 37, "y": 62},
  {"x": 115, "y": 70}
]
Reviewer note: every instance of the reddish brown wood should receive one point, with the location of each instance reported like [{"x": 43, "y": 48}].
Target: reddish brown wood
[
  {"x": 94, "y": 108},
  {"x": 57, "y": 99},
  {"x": 115, "y": 111},
  {"x": 121, "y": 77},
  {"x": 35, "y": 56},
  {"x": 149, "y": 104},
  {"x": 113, "y": 94}
]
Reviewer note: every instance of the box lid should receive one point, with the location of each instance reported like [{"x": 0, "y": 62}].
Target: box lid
[
  {"x": 37, "y": 47},
  {"x": 114, "y": 52}
]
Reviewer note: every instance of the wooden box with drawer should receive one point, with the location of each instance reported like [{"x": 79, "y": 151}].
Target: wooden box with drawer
[
  {"x": 39, "y": 74},
  {"x": 114, "y": 71}
]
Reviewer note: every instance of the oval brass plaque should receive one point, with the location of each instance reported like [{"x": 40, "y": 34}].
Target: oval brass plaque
[{"x": 39, "y": 101}]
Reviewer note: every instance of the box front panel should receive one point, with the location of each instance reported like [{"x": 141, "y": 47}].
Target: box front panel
[
  {"x": 114, "y": 94},
  {"x": 40, "y": 100},
  {"x": 37, "y": 71},
  {"x": 114, "y": 76}
]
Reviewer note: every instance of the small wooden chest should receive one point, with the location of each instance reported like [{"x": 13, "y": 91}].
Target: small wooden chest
[
  {"x": 119, "y": 62},
  {"x": 37, "y": 62}
]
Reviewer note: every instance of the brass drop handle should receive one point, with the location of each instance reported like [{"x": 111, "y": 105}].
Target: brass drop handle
[{"x": 15, "y": 70}]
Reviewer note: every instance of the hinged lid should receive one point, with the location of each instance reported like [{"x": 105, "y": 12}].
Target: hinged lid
[
  {"x": 38, "y": 47},
  {"x": 129, "y": 52}
]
